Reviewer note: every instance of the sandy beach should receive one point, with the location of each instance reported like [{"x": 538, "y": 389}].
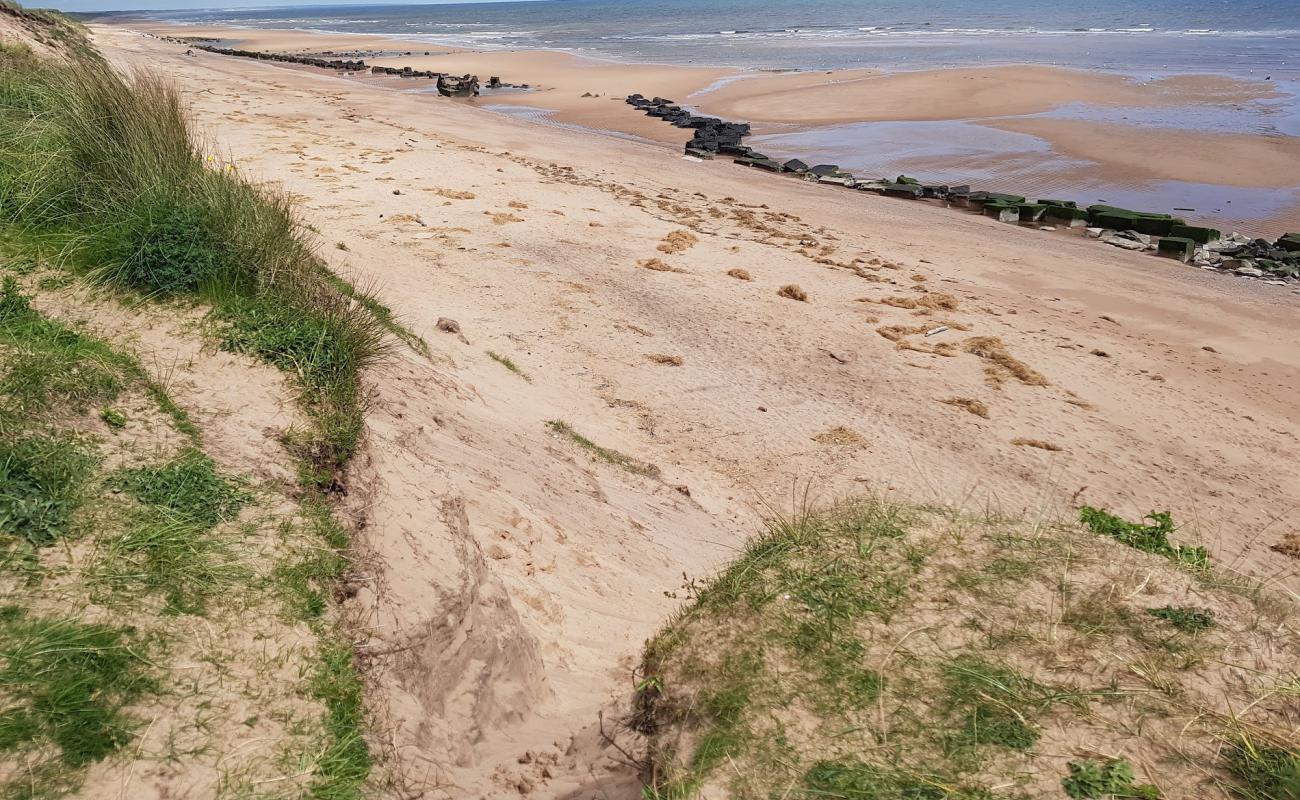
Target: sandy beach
[{"x": 515, "y": 578}]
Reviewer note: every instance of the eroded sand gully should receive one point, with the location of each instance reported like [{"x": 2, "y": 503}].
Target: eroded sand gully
[{"x": 509, "y": 579}]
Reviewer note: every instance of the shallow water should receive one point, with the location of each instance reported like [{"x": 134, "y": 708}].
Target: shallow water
[{"x": 956, "y": 152}]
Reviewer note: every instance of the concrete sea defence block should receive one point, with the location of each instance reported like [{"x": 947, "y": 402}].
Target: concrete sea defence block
[
  {"x": 1196, "y": 234},
  {"x": 1068, "y": 216},
  {"x": 905, "y": 179},
  {"x": 1177, "y": 247},
  {"x": 1031, "y": 212},
  {"x": 1002, "y": 211},
  {"x": 910, "y": 191},
  {"x": 1290, "y": 242}
]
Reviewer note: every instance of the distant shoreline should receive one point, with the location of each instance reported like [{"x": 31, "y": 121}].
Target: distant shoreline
[{"x": 800, "y": 113}]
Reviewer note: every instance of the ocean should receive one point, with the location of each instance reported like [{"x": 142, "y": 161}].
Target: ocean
[{"x": 1124, "y": 35}]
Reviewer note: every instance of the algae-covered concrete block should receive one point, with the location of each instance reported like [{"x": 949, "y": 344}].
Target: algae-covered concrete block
[
  {"x": 1290, "y": 242},
  {"x": 1178, "y": 247},
  {"x": 1156, "y": 225},
  {"x": 905, "y": 179},
  {"x": 1059, "y": 203},
  {"x": 1070, "y": 217},
  {"x": 911, "y": 191},
  {"x": 1001, "y": 211},
  {"x": 1196, "y": 234},
  {"x": 1031, "y": 212}
]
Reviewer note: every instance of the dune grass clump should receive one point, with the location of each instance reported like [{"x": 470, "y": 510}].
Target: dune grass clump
[
  {"x": 102, "y": 174},
  {"x": 872, "y": 651},
  {"x": 509, "y": 364},
  {"x": 106, "y": 173}
]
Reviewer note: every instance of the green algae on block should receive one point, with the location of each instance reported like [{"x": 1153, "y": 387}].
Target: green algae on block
[
  {"x": 1195, "y": 233},
  {"x": 1031, "y": 212},
  {"x": 1177, "y": 247}
]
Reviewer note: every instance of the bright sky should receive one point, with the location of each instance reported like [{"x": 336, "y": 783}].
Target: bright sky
[{"x": 134, "y": 5}]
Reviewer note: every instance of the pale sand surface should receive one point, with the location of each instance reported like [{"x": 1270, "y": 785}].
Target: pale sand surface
[
  {"x": 813, "y": 98},
  {"x": 1134, "y": 154},
  {"x": 510, "y": 580}
]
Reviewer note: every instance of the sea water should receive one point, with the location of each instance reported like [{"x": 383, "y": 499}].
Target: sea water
[{"x": 1181, "y": 35}]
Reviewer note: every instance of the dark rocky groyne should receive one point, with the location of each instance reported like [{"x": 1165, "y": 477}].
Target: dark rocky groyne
[
  {"x": 1163, "y": 234},
  {"x": 353, "y": 64}
]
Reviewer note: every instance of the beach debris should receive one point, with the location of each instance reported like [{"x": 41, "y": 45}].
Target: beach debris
[
  {"x": 447, "y": 325},
  {"x": 463, "y": 86},
  {"x": 739, "y": 274},
  {"x": 793, "y": 292},
  {"x": 937, "y": 331},
  {"x": 973, "y": 406},
  {"x": 1128, "y": 240}
]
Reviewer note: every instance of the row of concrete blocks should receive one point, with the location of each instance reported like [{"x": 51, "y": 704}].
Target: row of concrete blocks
[
  {"x": 323, "y": 63},
  {"x": 1177, "y": 238},
  {"x": 712, "y": 135}
]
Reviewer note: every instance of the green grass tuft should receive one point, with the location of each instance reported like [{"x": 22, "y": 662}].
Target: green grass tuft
[
  {"x": 994, "y": 705},
  {"x": 42, "y": 484},
  {"x": 345, "y": 763},
  {"x": 189, "y": 486},
  {"x": 66, "y": 683},
  {"x": 1185, "y": 619},
  {"x": 47, "y": 365},
  {"x": 163, "y": 551},
  {"x": 1266, "y": 772},
  {"x": 1091, "y": 780},
  {"x": 614, "y": 457},
  {"x": 509, "y": 364},
  {"x": 857, "y": 781},
  {"x": 1150, "y": 537}
]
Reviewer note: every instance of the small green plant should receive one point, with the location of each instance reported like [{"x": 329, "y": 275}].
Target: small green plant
[
  {"x": 633, "y": 465},
  {"x": 42, "y": 484},
  {"x": 189, "y": 486},
  {"x": 50, "y": 365},
  {"x": 993, "y": 704},
  {"x": 506, "y": 362},
  {"x": 66, "y": 684},
  {"x": 1092, "y": 780},
  {"x": 1149, "y": 537},
  {"x": 1266, "y": 772},
  {"x": 1184, "y": 618},
  {"x": 851, "y": 780},
  {"x": 113, "y": 418},
  {"x": 165, "y": 552}
]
